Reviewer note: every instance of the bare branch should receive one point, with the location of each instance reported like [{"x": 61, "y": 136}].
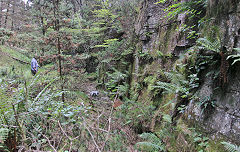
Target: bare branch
[
  {"x": 49, "y": 142},
  {"x": 91, "y": 135},
  {"x": 109, "y": 129}
]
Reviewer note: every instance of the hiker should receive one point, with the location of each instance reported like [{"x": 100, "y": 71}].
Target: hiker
[{"x": 34, "y": 65}]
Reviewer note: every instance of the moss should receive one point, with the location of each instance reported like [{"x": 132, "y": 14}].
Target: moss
[
  {"x": 215, "y": 145},
  {"x": 165, "y": 37},
  {"x": 214, "y": 142},
  {"x": 185, "y": 139}
]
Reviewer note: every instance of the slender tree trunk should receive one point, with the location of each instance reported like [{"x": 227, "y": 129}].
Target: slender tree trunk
[
  {"x": 56, "y": 13},
  {"x": 6, "y": 17},
  {"x": 43, "y": 32},
  {"x": 1, "y": 7},
  {"x": 13, "y": 11}
]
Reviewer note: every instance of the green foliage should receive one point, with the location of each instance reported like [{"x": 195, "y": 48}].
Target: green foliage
[
  {"x": 34, "y": 106},
  {"x": 33, "y": 112},
  {"x": 144, "y": 56},
  {"x": 231, "y": 147},
  {"x": 3, "y": 134},
  {"x": 178, "y": 84},
  {"x": 161, "y": 1},
  {"x": 5, "y": 35},
  {"x": 201, "y": 142},
  {"x": 117, "y": 142},
  {"x": 181, "y": 108},
  {"x": 152, "y": 143},
  {"x": 194, "y": 10},
  {"x": 114, "y": 79},
  {"x": 135, "y": 113},
  {"x": 95, "y": 31},
  {"x": 16, "y": 54},
  {"x": 206, "y": 102},
  {"x": 167, "y": 118},
  {"x": 107, "y": 43},
  {"x": 190, "y": 30},
  {"x": 235, "y": 57},
  {"x": 208, "y": 44},
  {"x": 190, "y": 7},
  {"x": 193, "y": 81},
  {"x": 103, "y": 22}
]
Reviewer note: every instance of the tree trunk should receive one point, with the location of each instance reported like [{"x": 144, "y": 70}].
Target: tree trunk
[
  {"x": 56, "y": 16},
  {"x": 6, "y": 17},
  {"x": 13, "y": 11},
  {"x": 1, "y": 7},
  {"x": 43, "y": 32}
]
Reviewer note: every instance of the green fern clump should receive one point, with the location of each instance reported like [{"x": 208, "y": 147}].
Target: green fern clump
[
  {"x": 3, "y": 134},
  {"x": 177, "y": 85},
  {"x": 231, "y": 147},
  {"x": 207, "y": 44},
  {"x": 190, "y": 7},
  {"x": 152, "y": 143},
  {"x": 115, "y": 82}
]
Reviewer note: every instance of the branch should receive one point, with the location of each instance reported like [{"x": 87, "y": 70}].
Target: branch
[
  {"x": 66, "y": 135},
  {"x": 109, "y": 128},
  {"x": 99, "y": 129},
  {"x": 49, "y": 142},
  {"x": 91, "y": 135},
  {"x": 109, "y": 123},
  {"x": 10, "y": 126},
  {"x": 64, "y": 131}
]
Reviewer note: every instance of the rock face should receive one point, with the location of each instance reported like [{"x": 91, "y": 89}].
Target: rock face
[
  {"x": 156, "y": 33},
  {"x": 224, "y": 117}
]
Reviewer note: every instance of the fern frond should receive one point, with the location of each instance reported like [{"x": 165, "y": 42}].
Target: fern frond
[
  {"x": 208, "y": 45},
  {"x": 168, "y": 87},
  {"x": 167, "y": 118},
  {"x": 231, "y": 147},
  {"x": 235, "y": 57},
  {"x": 236, "y": 60},
  {"x": 236, "y": 49},
  {"x": 150, "y": 137},
  {"x": 150, "y": 147},
  {"x": 152, "y": 143},
  {"x": 3, "y": 134}
]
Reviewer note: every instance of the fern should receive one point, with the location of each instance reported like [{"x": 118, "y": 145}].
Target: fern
[
  {"x": 3, "y": 134},
  {"x": 207, "y": 44},
  {"x": 178, "y": 84},
  {"x": 235, "y": 57},
  {"x": 231, "y": 147},
  {"x": 152, "y": 143},
  {"x": 148, "y": 146},
  {"x": 167, "y": 118}
]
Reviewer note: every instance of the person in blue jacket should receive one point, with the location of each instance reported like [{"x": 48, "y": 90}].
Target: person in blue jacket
[{"x": 34, "y": 65}]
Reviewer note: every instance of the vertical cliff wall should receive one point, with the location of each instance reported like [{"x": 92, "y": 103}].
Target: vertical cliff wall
[
  {"x": 161, "y": 46},
  {"x": 224, "y": 117}
]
